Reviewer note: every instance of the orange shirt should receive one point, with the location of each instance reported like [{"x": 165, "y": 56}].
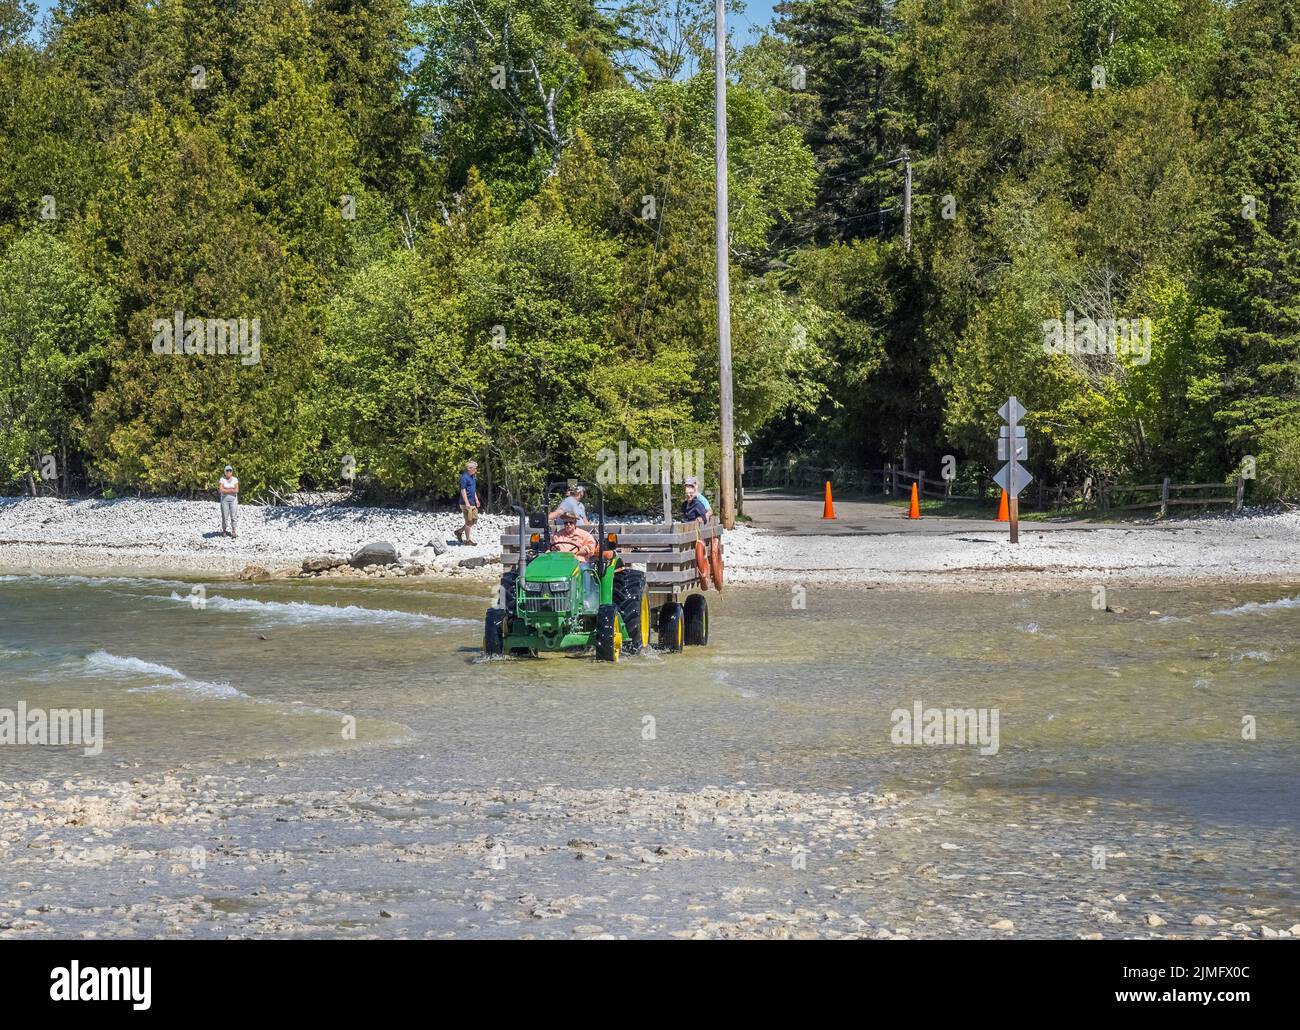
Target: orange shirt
[{"x": 575, "y": 541}]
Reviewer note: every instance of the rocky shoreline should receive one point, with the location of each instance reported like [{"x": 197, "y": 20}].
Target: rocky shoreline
[
  {"x": 259, "y": 852},
  {"x": 169, "y": 536}
]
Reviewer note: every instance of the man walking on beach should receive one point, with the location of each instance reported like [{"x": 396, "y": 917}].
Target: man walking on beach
[
  {"x": 228, "y": 489},
  {"x": 468, "y": 502}
]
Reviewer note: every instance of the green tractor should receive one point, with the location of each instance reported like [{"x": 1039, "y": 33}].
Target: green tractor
[{"x": 551, "y": 601}]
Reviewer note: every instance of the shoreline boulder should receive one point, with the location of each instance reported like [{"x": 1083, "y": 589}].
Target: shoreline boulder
[
  {"x": 322, "y": 563},
  {"x": 377, "y": 552}
]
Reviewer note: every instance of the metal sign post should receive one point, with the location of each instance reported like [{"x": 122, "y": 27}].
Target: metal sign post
[{"x": 1012, "y": 446}]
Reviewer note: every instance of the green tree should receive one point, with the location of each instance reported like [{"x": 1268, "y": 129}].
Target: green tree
[{"x": 54, "y": 321}]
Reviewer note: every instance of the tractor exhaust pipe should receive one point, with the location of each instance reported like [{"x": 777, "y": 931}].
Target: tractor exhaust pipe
[{"x": 523, "y": 540}]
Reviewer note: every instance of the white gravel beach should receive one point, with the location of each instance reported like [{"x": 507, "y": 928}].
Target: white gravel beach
[{"x": 182, "y": 536}]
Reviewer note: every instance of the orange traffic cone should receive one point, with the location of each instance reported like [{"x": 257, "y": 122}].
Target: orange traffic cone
[
  {"x": 914, "y": 511},
  {"x": 828, "y": 509},
  {"x": 1003, "y": 515}
]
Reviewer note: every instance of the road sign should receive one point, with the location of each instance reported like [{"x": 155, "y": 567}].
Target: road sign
[
  {"x": 1022, "y": 450},
  {"x": 1012, "y": 446},
  {"x": 1013, "y": 411},
  {"x": 1023, "y": 479}
]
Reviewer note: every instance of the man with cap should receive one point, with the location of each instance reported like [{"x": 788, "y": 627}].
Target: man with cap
[
  {"x": 228, "y": 491},
  {"x": 569, "y": 537},
  {"x": 696, "y": 507},
  {"x": 468, "y": 501},
  {"x": 573, "y": 503}
]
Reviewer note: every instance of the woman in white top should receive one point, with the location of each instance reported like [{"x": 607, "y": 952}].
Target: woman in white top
[{"x": 228, "y": 489}]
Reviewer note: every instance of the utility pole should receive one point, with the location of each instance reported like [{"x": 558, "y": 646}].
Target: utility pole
[
  {"x": 907, "y": 202},
  {"x": 727, "y": 485}
]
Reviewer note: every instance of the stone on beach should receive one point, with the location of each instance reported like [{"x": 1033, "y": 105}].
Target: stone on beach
[
  {"x": 377, "y": 552},
  {"x": 322, "y": 563}
]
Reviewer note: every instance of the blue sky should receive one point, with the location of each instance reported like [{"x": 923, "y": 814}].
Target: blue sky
[{"x": 757, "y": 15}]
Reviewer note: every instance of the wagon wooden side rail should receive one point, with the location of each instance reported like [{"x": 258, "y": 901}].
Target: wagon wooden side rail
[{"x": 666, "y": 550}]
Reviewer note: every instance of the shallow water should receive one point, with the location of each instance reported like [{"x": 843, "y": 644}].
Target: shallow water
[{"x": 1113, "y": 728}]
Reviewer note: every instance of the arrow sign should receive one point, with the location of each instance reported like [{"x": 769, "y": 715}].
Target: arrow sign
[
  {"x": 1023, "y": 478},
  {"x": 1022, "y": 449},
  {"x": 1012, "y": 411}
]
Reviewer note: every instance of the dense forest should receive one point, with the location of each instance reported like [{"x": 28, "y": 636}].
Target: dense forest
[{"x": 418, "y": 232}]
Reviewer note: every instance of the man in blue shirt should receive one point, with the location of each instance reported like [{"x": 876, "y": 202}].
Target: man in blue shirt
[
  {"x": 696, "y": 507},
  {"x": 468, "y": 502}
]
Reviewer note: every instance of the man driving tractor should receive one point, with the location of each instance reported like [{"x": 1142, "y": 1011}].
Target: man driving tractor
[{"x": 569, "y": 537}]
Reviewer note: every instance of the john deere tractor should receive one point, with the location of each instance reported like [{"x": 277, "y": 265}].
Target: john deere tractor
[{"x": 551, "y": 601}]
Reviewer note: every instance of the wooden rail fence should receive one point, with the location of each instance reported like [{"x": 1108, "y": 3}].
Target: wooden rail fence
[
  {"x": 1169, "y": 495},
  {"x": 1103, "y": 498}
]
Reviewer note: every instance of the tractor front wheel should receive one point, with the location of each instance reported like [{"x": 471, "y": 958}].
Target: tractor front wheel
[
  {"x": 671, "y": 623},
  {"x": 609, "y": 638},
  {"x": 494, "y": 631}
]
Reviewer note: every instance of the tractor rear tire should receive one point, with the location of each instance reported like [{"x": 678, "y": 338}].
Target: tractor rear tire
[
  {"x": 609, "y": 639},
  {"x": 494, "y": 631},
  {"x": 671, "y": 623},
  {"x": 634, "y": 605},
  {"x": 697, "y": 620},
  {"x": 628, "y": 582},
  {"x": 506, "y": 596}
]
